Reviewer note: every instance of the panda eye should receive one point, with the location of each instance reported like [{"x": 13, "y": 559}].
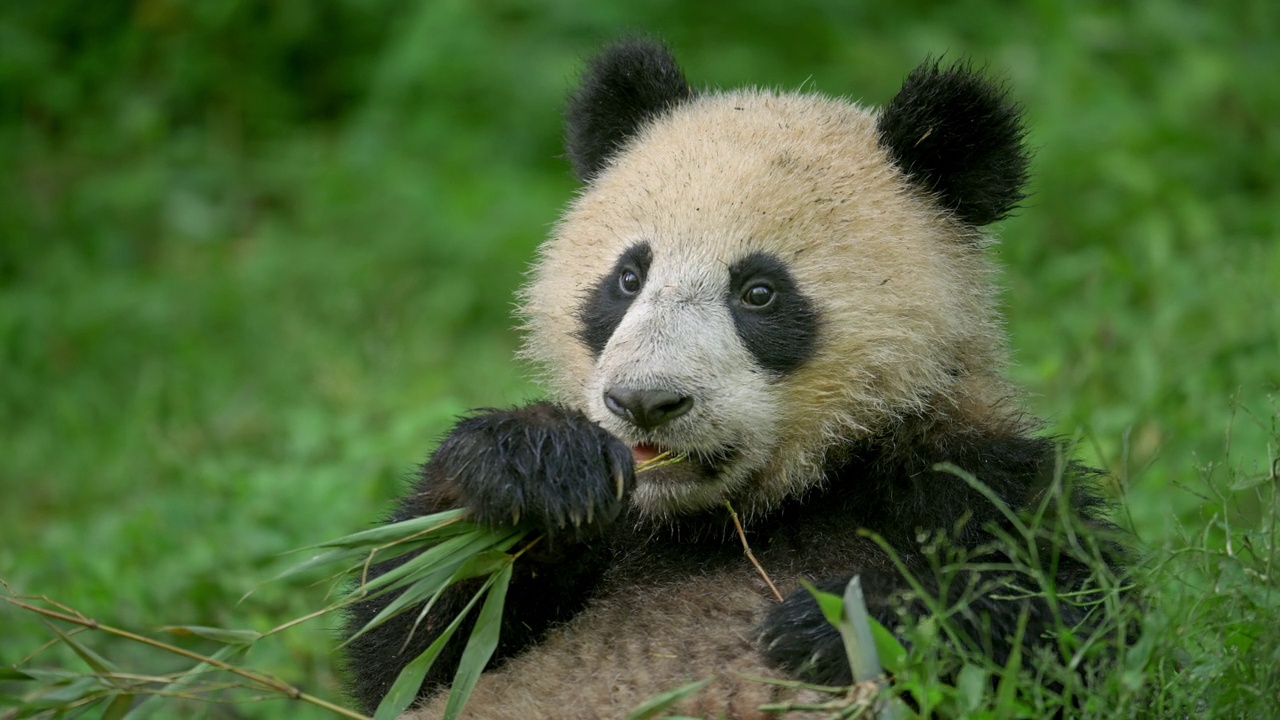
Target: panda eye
[
  {"x": 629, "y": 282},
  {"x": 758, "y": 295}
]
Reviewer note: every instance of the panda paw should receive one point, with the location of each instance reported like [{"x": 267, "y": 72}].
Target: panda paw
[
  {"x": 797, "y": 638},
  {"x": 542, "y": 465}
]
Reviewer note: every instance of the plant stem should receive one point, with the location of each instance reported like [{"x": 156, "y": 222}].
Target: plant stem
[
  {"x": 742, "y": 535},
  {"x": 282, "y": 688}
]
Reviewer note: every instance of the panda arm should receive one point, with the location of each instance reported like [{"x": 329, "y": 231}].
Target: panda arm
[
  {"x": 893, "y": 490},
  {"x": 548, "y": 466}
]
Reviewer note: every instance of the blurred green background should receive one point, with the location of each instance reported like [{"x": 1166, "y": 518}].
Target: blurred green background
[{"x": 255, "y": 257}]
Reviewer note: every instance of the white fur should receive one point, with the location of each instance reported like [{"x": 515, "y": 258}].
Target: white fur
[{"x": 903, "y": 289}]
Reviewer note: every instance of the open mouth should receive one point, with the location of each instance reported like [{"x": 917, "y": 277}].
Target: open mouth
[{"x": 699, "y": 463}]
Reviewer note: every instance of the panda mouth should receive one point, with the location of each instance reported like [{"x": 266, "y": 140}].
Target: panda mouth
[{"x": 699, "y": 463}]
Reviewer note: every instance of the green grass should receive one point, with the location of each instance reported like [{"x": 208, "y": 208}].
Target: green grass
[{"x": 254, "y": 258}]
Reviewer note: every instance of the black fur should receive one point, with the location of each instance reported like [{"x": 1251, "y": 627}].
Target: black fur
[
  {"x": 549, "y": 463},
  {"x": 889, "y": 486},
  {"x": 886, "y": 484},
  {"x": 782, "y": 335},
  {"x": 604, "y": 307},
  {"x": 958, "y": 136},
  {"x": 628, "y": 84}
]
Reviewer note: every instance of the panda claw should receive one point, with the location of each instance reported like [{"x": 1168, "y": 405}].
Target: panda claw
[
  {"x": 515, "y": 516},
  {"x": 619, "y": 482}
]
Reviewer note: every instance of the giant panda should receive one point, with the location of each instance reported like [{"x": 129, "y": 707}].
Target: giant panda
[{"x": 792, "y": 292}]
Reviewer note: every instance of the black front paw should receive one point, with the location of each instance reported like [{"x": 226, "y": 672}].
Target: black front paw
[
  {"x": 543, "y": 465},
  {"x": 796, "y": 637}
]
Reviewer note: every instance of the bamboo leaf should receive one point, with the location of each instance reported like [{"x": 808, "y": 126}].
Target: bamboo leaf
[
  {"x": 455, "y": 549},
  {"x": 435, "y": 526},
  {"x": 330, "y": 557},
  {"x": 481, "y": 644},
  {"x": 75, "y": 691},
  {"x": 830, "y": 605},
  {"x": 658, "y": 703},
  {"x": 151, "y": 704},
  {"x": 892, "y": 654},
  {"x": 855, "y": 631},
  {"x": 100, "y": 665},
  {"x": 118, "y": 707},
  {"x": 427, "y": 590},
  {"x": 226, "y": 637},
  {"x": 405, "y": 689}
]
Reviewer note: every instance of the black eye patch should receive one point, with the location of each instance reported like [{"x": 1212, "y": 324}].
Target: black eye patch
[
  {"x": 774, "y": 320},
  {"x": 603, "y": 308}
]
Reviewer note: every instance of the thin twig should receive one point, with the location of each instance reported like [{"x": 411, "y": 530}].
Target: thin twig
[
  {"x": 298, "y": 621},
  {"x": 282, "y": 688},
  {"x": 742, "y": 535}
]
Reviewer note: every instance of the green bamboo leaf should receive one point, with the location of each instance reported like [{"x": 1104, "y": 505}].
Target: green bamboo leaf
[
  {"x": 456, "y": 549},
  {"x": 118, "y": 707},
  {"x": 435, "y": 526},
  {"x": 77, "y": 690},
  {"x": 353, "y": 557},
  {"x": 153, "y": 703},
  {"x": 100, "y": 665},
  {"x": 658, "y": 703},
  {"x": 486, "y": 562},
  {"x": 48, "y": 675},
  {"x": 855, "y": 631},
  {"x": 226, "y": 637},
  {"x": 405, "y": 689},
  {"x": 831, "y": 606},
  {"x": 481, "y": 644},
  {"x": 428, "y": 590},
  {"x": 13, "y": 673},
  {"x": 892, "y": 654}
]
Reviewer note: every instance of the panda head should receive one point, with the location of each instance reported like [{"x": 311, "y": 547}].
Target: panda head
[{"x": 760, "y": 281}]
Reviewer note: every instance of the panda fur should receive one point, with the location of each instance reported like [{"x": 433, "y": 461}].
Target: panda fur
[{"x": 792, "y": 291}]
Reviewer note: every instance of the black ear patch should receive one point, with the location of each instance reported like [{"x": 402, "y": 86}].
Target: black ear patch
[
  {"x": 625, "y": 86},
  {"x": 957, "y": 135}
]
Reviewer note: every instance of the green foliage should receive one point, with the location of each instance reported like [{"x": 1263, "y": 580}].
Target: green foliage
[{"x": 255, "y": 257}]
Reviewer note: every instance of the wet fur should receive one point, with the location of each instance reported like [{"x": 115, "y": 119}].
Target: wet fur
[{"x": 895, "y": 365}]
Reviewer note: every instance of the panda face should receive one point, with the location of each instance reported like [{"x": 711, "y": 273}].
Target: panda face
[
  {"x": 752, "y": 283},
  {"x": 690, "y": 352}
]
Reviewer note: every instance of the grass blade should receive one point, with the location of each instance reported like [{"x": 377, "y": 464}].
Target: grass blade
[{"x": 855, "y": 630}]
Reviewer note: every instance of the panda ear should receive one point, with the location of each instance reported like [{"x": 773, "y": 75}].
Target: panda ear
[
  {"x": 958, "y": 136},
  {"x": 625, "y": 86}
]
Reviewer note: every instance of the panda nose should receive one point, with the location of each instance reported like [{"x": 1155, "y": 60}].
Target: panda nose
[{"x": 645, "y": 408}]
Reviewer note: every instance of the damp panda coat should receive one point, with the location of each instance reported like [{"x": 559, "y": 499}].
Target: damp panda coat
[{"x": 792, "y": 291}]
